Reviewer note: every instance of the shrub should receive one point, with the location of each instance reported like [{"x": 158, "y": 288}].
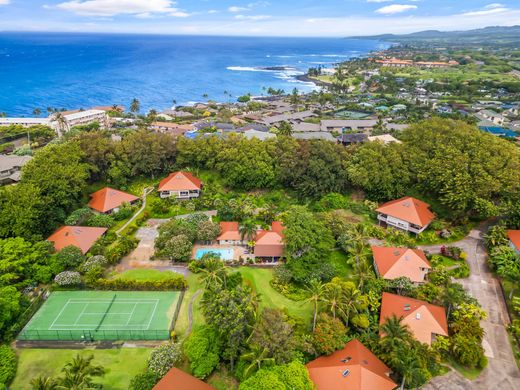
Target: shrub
[
  {"x": 94, "y": 261},
  {"x": 173, "y": 283},
  {"x": 124, "y": 212},
  {"x": 460, "y": 272},
  {"x": 100, "y": 220},
  {"x": 178, "y": 248},
  {"x": 144, "y": 381},
  {"x": 330, "y": 334},
  {"x": 203, "y": 349},
  {"x": 7, "y": 365},
  {"x": 163, "y": 358},
  {"x": 120, "y": 248},
  {"x": 78, "y": 216},
  {"x": 68, "y": 278},
  {"x": 70, "y": 257}
]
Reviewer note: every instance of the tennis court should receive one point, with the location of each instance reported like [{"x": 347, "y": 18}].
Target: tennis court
[{"x": 104, "y": 315}]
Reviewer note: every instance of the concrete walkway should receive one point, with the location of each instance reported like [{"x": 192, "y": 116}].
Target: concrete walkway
[
  {"x": 146, "y": 191},
  {"x": 502, "y": 372}
]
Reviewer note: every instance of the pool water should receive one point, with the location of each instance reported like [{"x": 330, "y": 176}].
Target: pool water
[{"x": 225, "y": 254}]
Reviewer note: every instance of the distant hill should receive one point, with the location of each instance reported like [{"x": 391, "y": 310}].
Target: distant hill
[{"x": 495, "y": 35}]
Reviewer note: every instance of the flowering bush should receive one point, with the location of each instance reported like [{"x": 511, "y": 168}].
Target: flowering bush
[
  {"x": 92, "y": 262},
  {"x": 164, "y": 357},
  {"x": 68, "y": 278}
]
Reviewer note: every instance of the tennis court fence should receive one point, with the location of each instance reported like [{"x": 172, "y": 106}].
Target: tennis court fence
[{"x": 92, "y": 335}]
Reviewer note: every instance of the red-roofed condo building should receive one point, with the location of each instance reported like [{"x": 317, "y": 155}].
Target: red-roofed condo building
[
  {"x": 393, "y": 263},
  {"x": 108, "y": 200},
  {"x": 354, "y": 367},
  {"x": 180, "y": 185},
  {"x": 82, "y": 237},
  {"x": 176, "y": 379},
  {"x": 408, "y": 214},
  {"x": 269, "y": 243},
  {"x": 425, "y": 320},
  {"x": 514, "y": 239},
  {"x": 229, "y": 234}
]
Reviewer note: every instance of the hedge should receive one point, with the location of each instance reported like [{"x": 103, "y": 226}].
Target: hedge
[
  {"x": 7, "y": 365},
  {"x": 174, "y": 283}
]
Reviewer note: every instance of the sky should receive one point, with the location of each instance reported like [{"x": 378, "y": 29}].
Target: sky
[{"x": 319, "y": 18}]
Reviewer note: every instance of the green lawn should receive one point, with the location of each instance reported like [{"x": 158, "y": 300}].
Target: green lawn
[
  {"x": 469, "y": 373},
  {"x": 182, "y": 320},
  {"x": 259, "y": 279},
  {"x": 121, "y": 365},
  {"x": 145, "y": 274}
]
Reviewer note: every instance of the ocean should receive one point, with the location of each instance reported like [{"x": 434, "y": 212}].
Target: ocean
[{"x": 40, "y": 70}]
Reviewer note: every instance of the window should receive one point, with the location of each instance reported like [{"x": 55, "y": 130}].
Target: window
[
  {"x": 346, "y": 360},
  {"x": 345, "y": 373}
]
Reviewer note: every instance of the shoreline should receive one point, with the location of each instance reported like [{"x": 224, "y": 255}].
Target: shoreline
[{"x": 307, "y": 79}]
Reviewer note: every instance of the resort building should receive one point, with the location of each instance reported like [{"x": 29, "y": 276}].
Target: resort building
[
  {"x": 229, "y": 234},
  {"x": 354, "y": 367},
  {"x": 384, "y": 138},
  {"x": 408, "y": 214},
  {"x": 393, "y": 263},
  {"x": 82, "y": 237},
  {"x": 180, "y": 185},
  {"x": 426, "y": 321},
  {"x": 171, "y": 128},
  {"x": 85, "y": 118},
  {"x": 176, "y": 379},
  {"x": 269, "y": 243},
  {"x": 25, "y": 122},
  {"x": 514, "y": 240},
  {"x": 108, "y": 200},
  {"x": 10, "y": 168},
  {"x": 352, "y": 138},
  {"x": 343, "y": 125}
]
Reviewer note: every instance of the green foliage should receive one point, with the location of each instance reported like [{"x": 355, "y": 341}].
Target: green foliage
[
  {"x": 174, "y": 283},
  {"x": 120, "y": 248},
  {"x": 69, "y": 257},
  {"x": 100, "y": 220},
  {"x": 285, "y": 377},
  {"x": 330, "y": 334},
  {"x": 8, "y": 364},
  {"x": 144, "y": 381},
  {"x": 77, "y": 217},
  {"x": 9, "y": 308},
  {"x": 203, "y": 348},
  {"x": 332, "y": 201},
  {"x": 177, "y": 248},
  {"x": 466, "y": 342},
  {"x": 164, "y": 357}
]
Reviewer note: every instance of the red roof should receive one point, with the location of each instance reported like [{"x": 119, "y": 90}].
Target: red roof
[
  {"x": 354, "y": 367},
  {"x": 423, "y": 318},
  {"x": 108, "y": 199},
  {"x": 408, "y": 209},
  {"x": 82, "y": 237},
  {"x": 176, "y": 379},
  {"x": 269, "y": 243},
  {"x": 180, "y": 181},
  {"x": 229, "y": 231},
  {"x": 393, "y": 263},
  {"x": 514, "y": 237}
]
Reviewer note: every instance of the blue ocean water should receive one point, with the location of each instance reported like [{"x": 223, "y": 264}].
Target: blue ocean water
[{"x": 40, "y": 70}]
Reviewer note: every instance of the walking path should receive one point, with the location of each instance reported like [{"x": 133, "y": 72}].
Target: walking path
[
  {"x": 146, "y": 191},
  {"x": 190, "y": 312},
  {"x": 502, "y": 372}
]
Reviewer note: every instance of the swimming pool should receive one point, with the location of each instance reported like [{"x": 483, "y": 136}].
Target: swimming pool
[{"x": 225, "y": 254}]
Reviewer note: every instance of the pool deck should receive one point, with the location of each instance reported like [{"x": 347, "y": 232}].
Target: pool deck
[{"x": 238, "y": 251}]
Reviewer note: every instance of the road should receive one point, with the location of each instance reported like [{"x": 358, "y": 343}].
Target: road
[{"x": 502, "y": 372}]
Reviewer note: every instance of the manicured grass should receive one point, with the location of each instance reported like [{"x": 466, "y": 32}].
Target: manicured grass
[
  {"x": 145, "y": 274},
  {"x": 469, "y": 373},
  {"x": 121, "y": 365},
  {"x": 181, "y": 325},
  {"x": 259, "y": 279},
  {"x": 445, "y": 262},
  {"x": 338, "y": 258},
  {"x": 222, "y": 380}
]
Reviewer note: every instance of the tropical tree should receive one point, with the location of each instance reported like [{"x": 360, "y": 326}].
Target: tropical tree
[
  {"x": 257, "y": 357},
  {"x": 214, "y": 272},
  {"x": 61, "y": 123},
  {"x": 135, "y": 106},
  {"x": 152, "y": 115},
  {"x": 410, "y": 366},
  {"x": 316, "y": 291},
  {"x": 44, "y": 383},
  {"x": 395, "y": 335},
  {"x": 247, "y": 230},
  {"x": 285, "y": 129},
  {"x": 37, "y": 112},
  {"x": 79, "y": 374}
]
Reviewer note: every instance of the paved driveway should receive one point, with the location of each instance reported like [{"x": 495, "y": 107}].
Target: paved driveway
[{"x": 501, "y": 372}]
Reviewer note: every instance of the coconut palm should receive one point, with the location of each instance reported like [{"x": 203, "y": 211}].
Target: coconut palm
[
  {"x": 316, "y": 290},
  {"x": 79, "y": 374},
  {"x": 409, "y": 366},
  {"x": 395, "y": 335},
  {"x": 37, "y": 112},
  {"x": 333, "y": 296},
  {"x": 152, "y": 115},
  {"x": 214, "y": 272},
  {"x": 350, "y": 302},
  {"x": 247, "y": 230},
  {"x": 44, "y": 383},
  {"x": 61, "y": 123},
  {"x": 135, "y": 106},
  {"x": 257, "y": 357}
]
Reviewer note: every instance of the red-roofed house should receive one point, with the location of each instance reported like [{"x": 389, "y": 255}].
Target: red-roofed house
[
  {"x": 408, "y": 214},
  {"x": 425, "y": 320},
  {"x": 176, "y": 379},
  {"x": 354, "y": 367},
  {"x": 229, "y": 234},
  {"x": 514, "y": 239},
  {"x": 82, "y": 237},
  {"x": 108, "y": 200},
  {"x": 393, "y": 263},
  {"x": 181, "y": 185},
  {"x": 269, "y": 243}
]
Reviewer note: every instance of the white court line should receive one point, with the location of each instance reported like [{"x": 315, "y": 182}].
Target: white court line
[
  {"x": 153, "y": 315},
  {"x": 59, "y": 314},
  {"x": 80, "y": 314},
  {"x": 131, "y": 314}
]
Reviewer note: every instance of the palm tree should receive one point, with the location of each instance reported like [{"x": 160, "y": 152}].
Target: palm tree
[
  {"x": 214, "y": 272},
  {"x": 135, "y": 106},
  {"x": 333, "y": 298},
  {"x": 285, "y": 129},
  {"x": 78, "y": 374},
  {"x": 61, "y": 123},
  {"x": 350, "y": 302},
  {"x": 152, "y": 115},
  {"x": 257, "y": 358},
  {"x": 395, "y": 334},
  {"x": 247, "y": 230},
  {"x": 44, "y": 383},
  {"x": 408, "y": 365},
  {"x": 316, "y": 290},
  {"x": 37, "y": 112}
]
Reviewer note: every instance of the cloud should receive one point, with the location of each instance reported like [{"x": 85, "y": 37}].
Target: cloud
[
  {"x": 252, "y": 17},
  {"x": 235, "y": 9},
  {"x": 378, "y": 1},
  {"x": 490, "y": 9},
  {"x": 4, "y": 2},
  {"x": 395, "y": 9},
  {"x": 141, "y": 8}
]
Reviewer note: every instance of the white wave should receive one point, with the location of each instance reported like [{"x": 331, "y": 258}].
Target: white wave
[{"x": 246, "y": 69}]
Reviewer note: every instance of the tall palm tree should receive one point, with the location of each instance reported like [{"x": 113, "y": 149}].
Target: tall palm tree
[
  {"x": 79, "y": 374},
  {"x": 316, "y": 290},
  {"x": 350, "y": 303},
  {"x": 257, "y": 357},
  {"x": 44, "y": 383},
  {"x": 247, "y": 230},
  {"x": 135, "y": 106},
  {"x": 152, "y": 115},
  {"x": 395, "y": 334},
  {"x": 61, "y": 123},
  {"x": 37, "y": 112},
  {"x": 408, "y": 365},
  {"x": 214, "y": 272},
  {"x": 333, "y": 297}
]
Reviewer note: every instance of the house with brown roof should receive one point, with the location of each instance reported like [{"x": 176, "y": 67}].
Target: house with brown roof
[
  {"x": 269, "y": 244},
  {"x": 354, "y": 367},
  {"x": 408, "y": 214},
  {"x": 109, "y": 200},
  {"x": 176, "y": 379},
  {"x": 82, "y": 237},
  {"x": 426, "y": 321},
  {"x": 180, "y": 185},
  {"x": 229, "y": 234},
  {"x": 393, "y": 263},
  {"x": 514, "y": 240}
]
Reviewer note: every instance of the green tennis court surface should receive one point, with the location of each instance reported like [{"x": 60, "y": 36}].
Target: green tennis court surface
[{"x": 104, "y": 315}]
